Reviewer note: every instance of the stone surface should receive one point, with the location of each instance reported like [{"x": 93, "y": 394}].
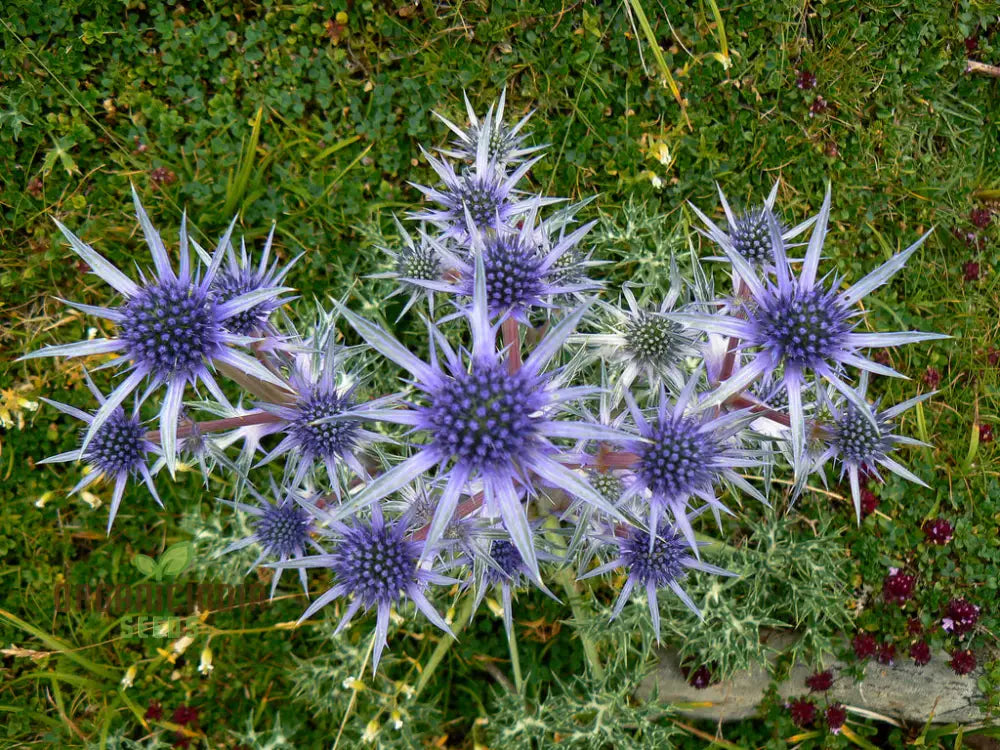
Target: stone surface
[{"x": 903, "y": 691}]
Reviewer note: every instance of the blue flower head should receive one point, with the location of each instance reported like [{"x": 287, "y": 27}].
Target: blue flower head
[
  {"x": 118, "y": 449},
  {"x": 797, "y": 324},
  {"x": 521, "y": 267},
  {"x": 322, "y": 421},
  {"x": 862, "y": 441},
  {"x": 484, "y": 417},
  {"x": 239, "y": 277},
  {"x": 171, "y": 329},
  {"x": 374, "y": 565},
  {"x": 281, "y": 529},
  {"x": 482, "y": 196},
  {"x": 684, "y": 454},
  {"x": 654, "y": 563},
  {"x": 415, "y": 264},
  {"x": 504, "y": 144}
]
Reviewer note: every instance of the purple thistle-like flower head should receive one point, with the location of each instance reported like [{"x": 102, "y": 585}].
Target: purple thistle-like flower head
[
  {"x": 239, "y": 277},
  {"x": 750, "y": 236},
  {"x": 281, "y": 529},
  {"x": 504, "y": 144},
  {"x": 170, "y": 327},
  {"x": 322, "y": 422},
  {"x": 798, "y": 323},
  {"x": 862, "y": 439},
  {"x": 374, "y": 565},
  {"x": 117, "y": 450},
  {"x": 417, "y": 265},
  {"x": 520, "y": 266},
  {"x": 486, "y": 418},
  {"x": 480, "y": 197},
  {"x": 654, "y": 563},
  {"x": 684, "y": 453}
]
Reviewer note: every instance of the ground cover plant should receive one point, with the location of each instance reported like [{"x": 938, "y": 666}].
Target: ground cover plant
[{"x": 315, "y": 120}]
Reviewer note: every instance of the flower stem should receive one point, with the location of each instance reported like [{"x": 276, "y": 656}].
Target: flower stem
[
  {"x": 565, "y": 577},
  {"x": 515, "y": 661},
  {"x": 218, "y": 425},
  {"x": 463, "y": 618}
]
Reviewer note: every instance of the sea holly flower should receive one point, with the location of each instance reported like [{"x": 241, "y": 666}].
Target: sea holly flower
[
  {"x": 799, "y": 324},
  {"x": 485, "y": 419},
  {"x": 118, "y": 449},
  {"x": 749, "y": 234},
  {"x": 504, "y": 144},
  {"x": 862, "y": 439},
  {"x": 416, "y": 262},
  {"x": 374, "y": 564},
  {"x": 684, "y": 452},
  {"x": 482, "y": 196},
  {"x": 282, "y": 529},
  {"x": 520, "y": 269},
  {"x": 641, "y": 341},
  {"x": 238, "y": 276},
  {"x": 170, "y": 327},
  {"x": 654, "y": 563},
  {"x": 504, "y": 568},
  {"x": 322, "y": 421}
]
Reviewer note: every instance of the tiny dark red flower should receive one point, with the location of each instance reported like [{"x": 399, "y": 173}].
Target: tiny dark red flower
[
  {"x": 819, "y": 682},
  {"x": 185, "y": 715},
  {"x": 836, "y": 715},
  {"x": 886, "y": 653},
  {"x": 806, "y": 80},
  {"x": 971, "y": 270},
  {"x": 803, "y": 711},
  {"x": 932, "y": 378},
  {"x": 920, "y": 652},
  {"x": 993, "y": 356},
  {"x": 864, "y": 645},
  {"x": 869, "y": 502},
  {"x": 938, "y": 531},
  {"x": 700, "y": 678},
  {"x": 897, "y": 587},
  {"x": 914, "y": 626},
  {"x": 181, "y": 740},
  {"x": 818, "y": 107},
  {"x": 980, "y": 217},
  {"x": 155, "y": 711},
  {"x": 985, "y": 433},
  {"x": 961, "y": 616},
  {"x": 963, "y": 662},
  {"x": 971, "y": 44}
]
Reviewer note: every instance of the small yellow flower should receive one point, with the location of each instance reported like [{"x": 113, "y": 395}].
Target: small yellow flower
[
  {"x": 371, "y": 731},
  {"x": 129, "y": 677},
  {"x": 353, "y": 683},
  {"x": 397, "y": 719},
  {"x": 205, "y": 665}
]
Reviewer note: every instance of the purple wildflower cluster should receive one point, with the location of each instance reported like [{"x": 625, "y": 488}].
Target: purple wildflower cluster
[{"x": 530, "y": 402}]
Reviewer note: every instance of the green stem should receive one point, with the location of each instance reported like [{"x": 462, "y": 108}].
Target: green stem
[
  {"x": 464, "y": 615},
  {"x": 565, "y": 577},
  {"x": 515, "y": 661}
]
